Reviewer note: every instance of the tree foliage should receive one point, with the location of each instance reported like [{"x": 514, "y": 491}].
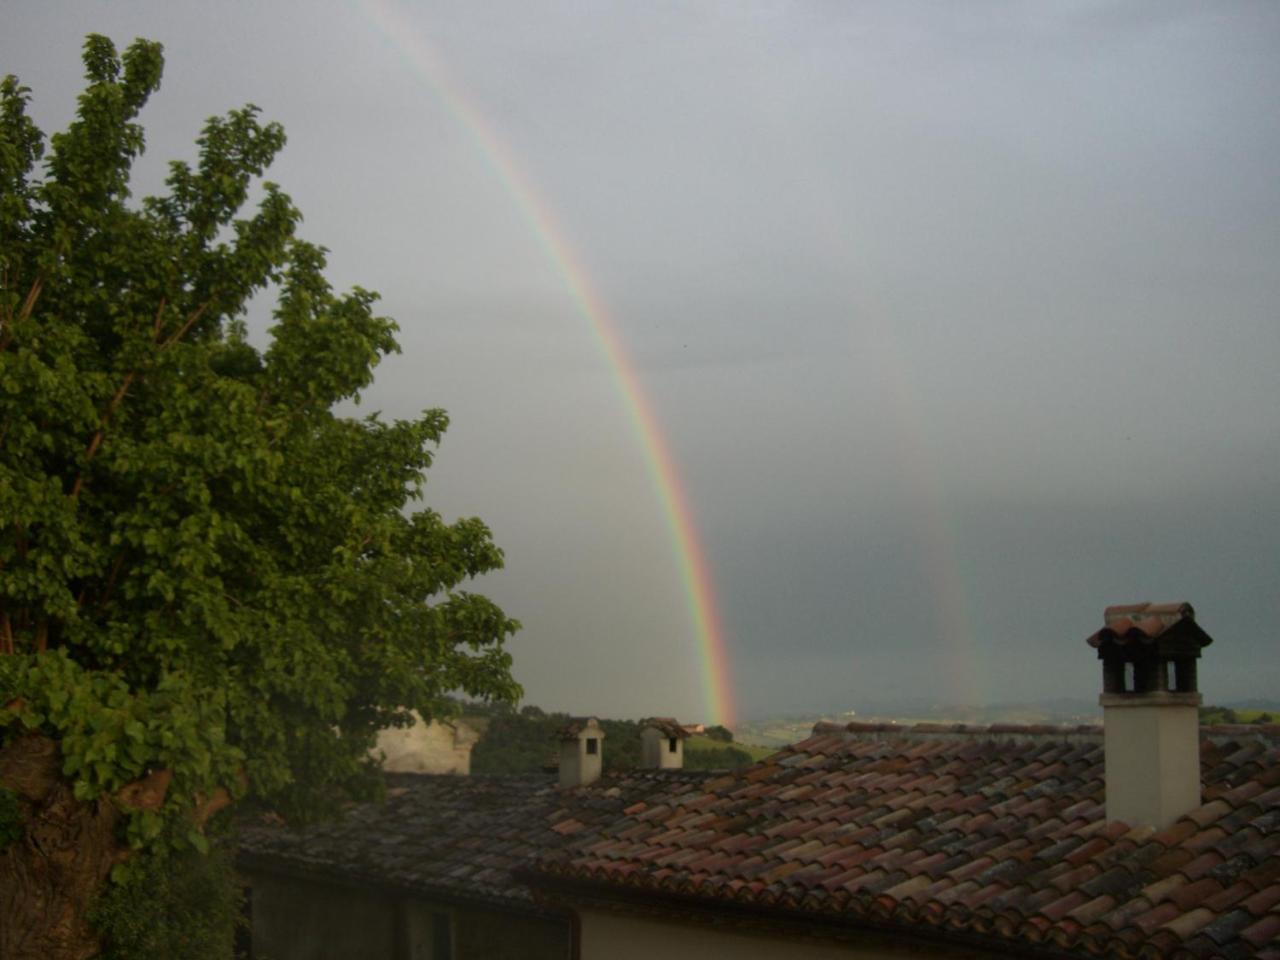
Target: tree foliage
[
  {"x": 1210, "y": 715},
  {"x": 720, "y": 732},
  {"x": 204, "y": 568},
  {"x": 727, "y": 757},
  {"x": 525, "y": 742},
  {"x": 176, "y": 903}
]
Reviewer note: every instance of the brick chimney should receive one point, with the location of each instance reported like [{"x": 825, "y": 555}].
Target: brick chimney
[
  {"x": 581, "y": 751},
  {"x": 662, "y": 744},
  {"x": 1150, "y": 705}
]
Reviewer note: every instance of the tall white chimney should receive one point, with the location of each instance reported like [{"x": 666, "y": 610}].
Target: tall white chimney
[
  {"x": 662, "y": 744},
  {"x": 1150, "y": 705},
  {"x": 581, "y": 751}
]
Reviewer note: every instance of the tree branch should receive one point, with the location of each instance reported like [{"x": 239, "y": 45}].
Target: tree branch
[
  {"x": 195, "y": 315},
  {"x": 111, "y": 581},
  {"x": 159, "y": 319},
  {"x": 32, "y": 296},
  {"x": 105, "y": 419},
  {"x": 28, "y": 305},
  {"x": 145, "y": 793},
  {"x": 206, "y": 807}
]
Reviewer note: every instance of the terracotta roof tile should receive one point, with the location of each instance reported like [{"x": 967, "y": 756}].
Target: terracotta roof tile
[
  {"x": 1118, "y": 882},
  {"x": 1176, "y": 833},
  {"x": 668, "y": 726},
  {"x": 1170, "y": 860},
  {"x": 1193, "y": 894},
  {"x": 1147, "y": 622},
  {"x": 1266, "y": 932},
  {"x": 1226, "y": 928},
  {"x": 462, "y": 836},
  {"x": 576, "y": 725},
  {"x": 1265, "y": 899},
  {"x": 1210, "y": 812},
  {"x": 1000, "y": 833},
  {"x": 994, "y": 834}
]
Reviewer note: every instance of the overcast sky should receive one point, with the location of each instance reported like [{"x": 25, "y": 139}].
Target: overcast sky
[{"x": 962, "y": 320}]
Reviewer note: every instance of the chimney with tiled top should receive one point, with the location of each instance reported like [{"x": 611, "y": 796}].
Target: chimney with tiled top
[
  {"x": 1150, "y": 705},
  {"x": 581, "y": 751},
  {"x": 662, "y": 744}
]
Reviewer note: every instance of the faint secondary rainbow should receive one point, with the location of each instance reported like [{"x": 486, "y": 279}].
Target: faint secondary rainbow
[
  {"x": 695, "y": 573},
  {"x": 939, "y": 558}
]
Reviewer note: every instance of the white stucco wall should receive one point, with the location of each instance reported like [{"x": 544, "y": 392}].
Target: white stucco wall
[
  {"x": 656, "y": 752},
  {"x": 433, "y": 747},
  {"x": 1152, "y": 757},
  {"x": 577, "y": 766}
]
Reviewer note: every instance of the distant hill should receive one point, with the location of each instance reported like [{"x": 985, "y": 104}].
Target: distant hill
[
  {"x": 1232, "y": 714},
  {"x": 1270, "y": 705},
  {"x": 788, "y": 728}
]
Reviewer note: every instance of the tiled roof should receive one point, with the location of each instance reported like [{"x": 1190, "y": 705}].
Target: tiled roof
[
  {"x": 668, "y": 726},
  {"x": 453, "y": 836},
  {"x": 1147, "y": 622},
  {"x": 576, "y": 726},
  {"x": 993, "y": 837}
]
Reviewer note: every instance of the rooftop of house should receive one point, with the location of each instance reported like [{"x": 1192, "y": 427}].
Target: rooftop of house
[
  {"x": 456, "y": 837},
  {"x": 667, "y": 726},
  {"x": 997, "y": 838},
  {"x": 992, "y": 836}
]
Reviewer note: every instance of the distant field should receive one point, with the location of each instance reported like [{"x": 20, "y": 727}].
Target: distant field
[
  {"x": 699, "y": 742},
  {"x": 773, "y": 736},
  {"x": 1251, "y": 716}
]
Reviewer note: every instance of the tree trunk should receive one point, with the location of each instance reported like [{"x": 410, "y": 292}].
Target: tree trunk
[{"x": 51, "y": 876}]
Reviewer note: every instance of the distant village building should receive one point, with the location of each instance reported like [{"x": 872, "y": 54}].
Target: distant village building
[
  {"x": 435, "y": 747},
  {"x": 862, "y": 841}
]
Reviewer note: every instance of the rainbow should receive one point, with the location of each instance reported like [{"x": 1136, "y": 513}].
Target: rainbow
[
  {"x": 940, "y": 557},
  {"x": 695, "y": 573}
]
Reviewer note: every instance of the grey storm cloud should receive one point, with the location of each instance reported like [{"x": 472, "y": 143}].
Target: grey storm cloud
[{"x": 960, "y": 320}]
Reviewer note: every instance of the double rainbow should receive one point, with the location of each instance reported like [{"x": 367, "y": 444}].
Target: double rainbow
[{"x": 695, "y": 574}]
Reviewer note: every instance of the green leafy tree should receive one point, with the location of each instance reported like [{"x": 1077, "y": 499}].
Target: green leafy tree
[
  {"x": 721, "y": 733},
  {"x": 211, "y": 583},
  {"x": 1210, "y": 715},
  {"x": 717, "y": 758},
  {"x": 525, "y": 742}
]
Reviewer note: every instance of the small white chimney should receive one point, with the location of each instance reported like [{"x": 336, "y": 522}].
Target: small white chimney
[
  {"x": 662, "y": 744},
  {"x": 1150, "y": 705},
  {"x": 581, "y": 751}
]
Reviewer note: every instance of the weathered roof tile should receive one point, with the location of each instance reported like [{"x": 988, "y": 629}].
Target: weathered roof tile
[
  {"x": 997, "y": 834},
  {"x": 959, "y": 831}
]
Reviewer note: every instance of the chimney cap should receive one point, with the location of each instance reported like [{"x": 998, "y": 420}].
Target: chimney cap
[
  {"x": 577, "y": 726},
  {"x": 668, "y": 726},
  {"x": 1167, "y": 626}
]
